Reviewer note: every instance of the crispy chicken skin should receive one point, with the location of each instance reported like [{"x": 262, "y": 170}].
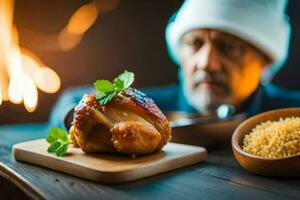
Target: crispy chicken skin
[{"x": 130, "y": 124}]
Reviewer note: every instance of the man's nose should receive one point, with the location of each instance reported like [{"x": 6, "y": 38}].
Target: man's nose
[{"x": 208, "y": 59}]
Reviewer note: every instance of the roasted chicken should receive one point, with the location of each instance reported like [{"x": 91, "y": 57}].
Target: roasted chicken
[{"x": 130, "y": 124}]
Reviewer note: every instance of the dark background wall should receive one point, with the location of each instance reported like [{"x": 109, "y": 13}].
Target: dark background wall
[{"x": 130, "y": 37}]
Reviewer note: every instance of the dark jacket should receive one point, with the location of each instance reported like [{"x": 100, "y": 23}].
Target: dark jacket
[{"x": 171, "y": 98}]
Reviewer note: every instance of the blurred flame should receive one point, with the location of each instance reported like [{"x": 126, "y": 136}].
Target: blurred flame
[
  {"x": 3, "y": 85},
  {"x": 82, "y": 19},
  {"x": 15, "y": 92},
  {"x": 67, "y": 40},
  {"x": 1, "y": 98},
  {"x": 44, "y": 77},
  {"x": 47, "y": 80},
  {"x": 30, "y": 95},
  {"x": 21, "y": 72},
  {"x": 71, "y": 35},
  {"x": 79, "y": 23}
]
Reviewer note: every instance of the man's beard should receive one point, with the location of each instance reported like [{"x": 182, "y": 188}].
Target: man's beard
[
  {"x": 205, "y": 100},
  {"x": 206, "y": 103}
]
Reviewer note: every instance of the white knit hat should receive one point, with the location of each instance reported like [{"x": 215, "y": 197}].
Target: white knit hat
[{"x": 262, "y": 23}]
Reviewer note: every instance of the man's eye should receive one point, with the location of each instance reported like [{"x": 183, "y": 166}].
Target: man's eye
[
  {"x": 231, "y": 50},
  {"x": 195, "y": 44}
]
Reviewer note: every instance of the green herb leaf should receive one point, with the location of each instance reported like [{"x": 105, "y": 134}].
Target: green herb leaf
[
  {"x": 58, "y": 140},
  {"x": 61, "y": 151},
  {"x": 127, "y": 78},
  {"x": 119, "y": 84},
  {"x": 104, "y": 99},
  {"x": 54, "y": 146},
  {"x": 107, "y": 90},
  {"x": 57, "y": 134},
  {"x": 104, "y": 86},
  {"x": 100, "y": 95}
]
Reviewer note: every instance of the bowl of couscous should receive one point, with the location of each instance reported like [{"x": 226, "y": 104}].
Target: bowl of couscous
[{"x": 269, "y": 143}]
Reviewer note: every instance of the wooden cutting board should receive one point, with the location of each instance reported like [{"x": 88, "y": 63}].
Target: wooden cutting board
[{"x": 108, "y": 168}]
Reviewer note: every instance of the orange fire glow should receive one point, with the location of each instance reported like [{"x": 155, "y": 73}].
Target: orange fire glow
[{"x": 21, "y": 72}]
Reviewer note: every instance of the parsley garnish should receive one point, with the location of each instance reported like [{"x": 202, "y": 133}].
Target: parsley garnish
[
  {"x": 59, "y": 141},
  {"x": 107, "y": 90}
]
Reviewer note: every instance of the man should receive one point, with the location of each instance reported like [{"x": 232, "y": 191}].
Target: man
[{"x": 224, "y": 49}]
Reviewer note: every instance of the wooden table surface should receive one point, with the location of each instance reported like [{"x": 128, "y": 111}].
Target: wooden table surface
[{"x": 218, "y": 177}]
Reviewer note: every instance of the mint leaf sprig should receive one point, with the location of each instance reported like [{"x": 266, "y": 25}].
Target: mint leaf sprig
[
  {"x": 59, "y": 141},
  {"x": 107, "y": 90}
]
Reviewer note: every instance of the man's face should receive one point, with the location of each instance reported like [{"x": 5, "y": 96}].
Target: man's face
[{"x": 218, "y": 69}]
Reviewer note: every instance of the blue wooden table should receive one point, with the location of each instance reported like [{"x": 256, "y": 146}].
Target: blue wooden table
[{"x": 218, "y": 177}]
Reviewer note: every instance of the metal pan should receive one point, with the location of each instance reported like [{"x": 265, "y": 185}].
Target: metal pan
[{"x": 210, "y": 132}]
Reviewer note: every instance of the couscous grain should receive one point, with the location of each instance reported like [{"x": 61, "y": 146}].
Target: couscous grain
[{"x": 274, "y": 139}]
